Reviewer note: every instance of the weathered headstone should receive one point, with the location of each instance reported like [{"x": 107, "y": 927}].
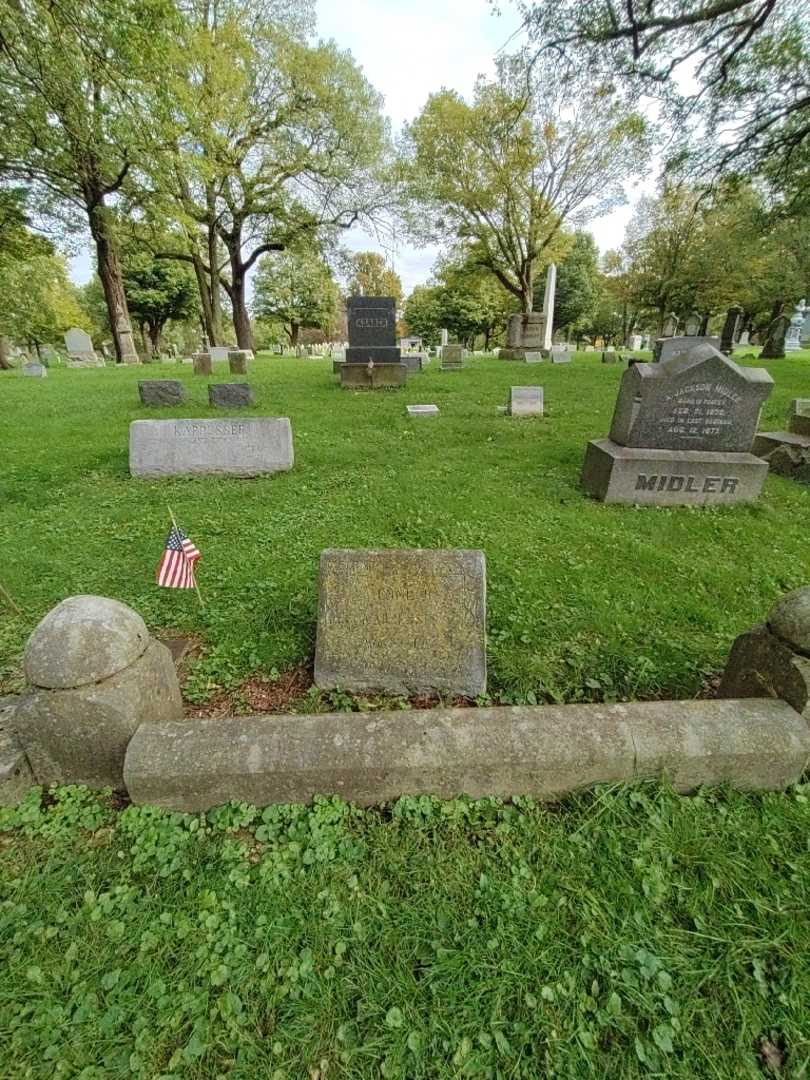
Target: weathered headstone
[
  {"x": 692, "y": 323},
  {"x": 202, "y": 363},
  {"x": 561, "y": 354},
  {"x": 373, "y": 358},
  {"x": 525, "y": 401},
  {"x": 610, "y": 356},
  {"x": 161, "y": 392},
  {"x": 230, "y": 395},
  {"x": 96, "y": 675},
  {"x": 774, "y": 345},
  {"x": 634, "y": 342},
  {"x": 788, "y": 452},
  {"x": 238, "y": 361},
  {"x": 220, "y": 352},
  {"x": 525, "y": 334},
  {"x": 422, "y": 410},
  {"x": 730, "y": 328},
  {"x": 251, "y": 447},
  {"x": 745, "y": 338},
  {"x": 414, "y": 361},
  {"x": 80, "y": 349},
  {"x": 453, "y": 358},
  {"x": 793, "y": 339},
  {"x": 35, "y": 371},
  {"x": 682, "y": 433},
  {"x": 406, "y": 622}
]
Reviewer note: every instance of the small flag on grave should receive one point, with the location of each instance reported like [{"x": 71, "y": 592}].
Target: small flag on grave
[{"x": 176, "y": 569}]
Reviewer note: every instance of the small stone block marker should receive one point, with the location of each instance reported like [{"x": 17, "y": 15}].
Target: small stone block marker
[
  {"x": 682, "y": 433},
  {"x": 452, "y": 357},
  {"x": 544, "y": 751},
  {"x": 202, "y": 363},
  {"x": 525, "y": 401},
  {"x": 161, "y": 392},
  {"x": 406, "y": 622},
  {"x": 800, "y": 417},
  {"x": 96, "y": 675},
  {"x": 788, "y": 452},
  {"x": 422, "y": 410},
  {"x": 238, "y": 361},
  {"x": 35, "y": 371},
  {"x": 251, "y": 447},
  {"x": 230, "y": 395}
]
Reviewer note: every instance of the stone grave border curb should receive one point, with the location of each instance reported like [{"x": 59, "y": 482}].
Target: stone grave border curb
[{"x": 545, "y": 752}]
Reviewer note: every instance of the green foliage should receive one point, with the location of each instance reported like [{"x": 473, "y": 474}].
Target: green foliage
[
  {"x": 465, "y": 299},
  {"x": 529, "y": 155},
  {"x": 296, "y": 289},
  {"x": 579, "y": 286},
  {"x": 371, "y": 276},
  {"x": 630, "y": 932},
  {"x": 158, "y": 290}
]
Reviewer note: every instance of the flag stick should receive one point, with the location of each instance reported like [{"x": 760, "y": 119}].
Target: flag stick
[
  {"x": 196, "y": 586},
  {"x": 10, "y": 599}
]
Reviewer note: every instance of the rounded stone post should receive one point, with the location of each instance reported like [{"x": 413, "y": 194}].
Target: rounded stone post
[
  {"x": 773, "y": 659},
  {"x": 95, "y": 675},
  {"x": 202, "y": 363}
]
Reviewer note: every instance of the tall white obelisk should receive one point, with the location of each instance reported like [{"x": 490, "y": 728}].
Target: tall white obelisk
[{"x": 548, "y": 305}]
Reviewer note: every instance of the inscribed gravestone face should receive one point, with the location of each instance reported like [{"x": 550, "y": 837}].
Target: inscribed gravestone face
[
  {"x": 35, "y": 371},
  {"x": 372, "y": 322},
  {"x": 230, "y": 395},
  {"x": 700, "y": 401},
  {"x": 402, "y": 621},
  {"x": 422, "y": 410},
  {"x": 249, "y": 447},
  {"x": 78, "y": 341},
  {"x": 682, "y": 433}
]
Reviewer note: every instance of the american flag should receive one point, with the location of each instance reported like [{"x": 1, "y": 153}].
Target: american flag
[{"x": 176, "y": 569}]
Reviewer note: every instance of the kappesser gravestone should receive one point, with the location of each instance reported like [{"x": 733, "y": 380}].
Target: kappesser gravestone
[
  {"x": 406, "y": 622},
  {"x": 249, "y": 447},
  {"x": 682, "y": 434}
]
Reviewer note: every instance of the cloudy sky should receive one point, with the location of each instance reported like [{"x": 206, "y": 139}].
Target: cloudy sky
[{"x": 409, "y": 49}]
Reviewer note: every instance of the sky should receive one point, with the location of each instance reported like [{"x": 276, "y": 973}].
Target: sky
[{"x": 409, "y": 49}]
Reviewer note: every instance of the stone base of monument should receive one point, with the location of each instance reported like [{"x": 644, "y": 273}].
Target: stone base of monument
[
  {"x": 622, "y": 474},
  {"x": 544, "y": 752},
  {"x": 786, "y": 453},
  {"x": 523, "y": 356},
  {"x": 373, "y": 377}
]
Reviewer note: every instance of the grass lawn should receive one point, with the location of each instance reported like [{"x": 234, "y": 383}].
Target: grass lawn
[
  {"x": 631, "y": 933},
  {"x": 586, "y": 602}
]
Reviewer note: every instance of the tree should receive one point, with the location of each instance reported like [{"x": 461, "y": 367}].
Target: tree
[
  {"x": 70, "y": 100},
  {"x": 531, "y": 155},
  {"x": 579, "y": 285},
  {"x": 423, "y": 313},
  {"x": 749, "y": 59},
  {"x": 295, "y": 288},
  {"x": 370, "y": 276},
  {"x": 272, "y": 142},
  {"x": 158, "y": 291}
]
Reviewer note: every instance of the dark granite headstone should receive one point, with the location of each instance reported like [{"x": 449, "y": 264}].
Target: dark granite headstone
[
  {"x": 372, "y": 330},
  {"x": 729, "y": 335},
  {"x": 161, "y": 392},
  {"x": 230, "y": 395},
  {"x": 774, "y": 345}
]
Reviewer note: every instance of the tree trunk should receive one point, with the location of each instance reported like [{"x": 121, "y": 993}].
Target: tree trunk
[
  {"x": 5, "y": 363},
  {"x": 204, "y": 289},
  {"x": 109, "y": 270},
  {"x": 295, "y": 331},
  {"x": 155, "y": 332}
]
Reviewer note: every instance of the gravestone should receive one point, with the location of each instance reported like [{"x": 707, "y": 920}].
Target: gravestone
[
  {"x": 525, "y": 334},
  {"x": 161, "y": 392},
  {"x": 251, "y": 447},
  {"x": 422, "y": 410},
  {"x": 561, "y": 354},
  {"x": 230, "y": 395},
  {"x": 745, "y": 338},
  {"x": 691, "y": 326},
  {"x": 373, "y": 358},
  {"x": 80, "y": 349},
  {"x": 35, "y": 371},
  {"x": 404, "y": 622},
  {"x": 788, "y": 452},
  {"x": 452, "y": 358},
  {"x": 202, "y": 363},
  {"x": 525, "y": 401},
  {"x": 238, "y": 361},
  {"x": 634, "y": 342},
  {"x": 220, "y": 352},
  {"x": 730, "y": 328},
  {"x": 667, "y": 348},
  {"x": 670, "y": 327},
  {"x": 610, "y": 356},
  {"x": 682, "y": 433},
  {"x": 793, "y": 339},
  {"x": 774, "y": 345},
  {"x": 414, "y": 361}
]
